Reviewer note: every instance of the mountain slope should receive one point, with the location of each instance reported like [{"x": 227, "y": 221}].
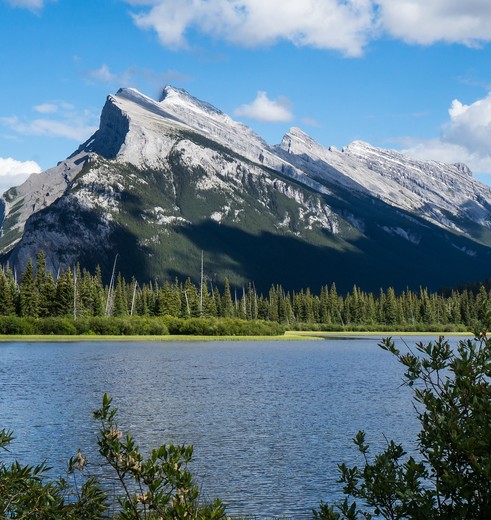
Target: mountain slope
[{"x": 161, "y": 181}]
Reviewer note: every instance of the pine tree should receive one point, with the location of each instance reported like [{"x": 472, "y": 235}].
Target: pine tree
[
  {"x": 7, "y": 294},
  {"x": 391, "y": 311},
  {"x": 335, "y": 305},
  {"x": 227, "y": 302},
  {"x": 97, "y": 299},
  {"x": 63, "y": 305},
  {"x": 207, "y": 308},
  {"x": 274, "y": 314},
  {"x": 215, "y": 293},
  {"x": 120, "y": 304},
  {"x": 45, "y": 286},
  {"x": 191, "y": 297},
  {"x": 29, "y": 297},
  {"x": 209, "y": 305},
  {"x": 325, "y": 311}
]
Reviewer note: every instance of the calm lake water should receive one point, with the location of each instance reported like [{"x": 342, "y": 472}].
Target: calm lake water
[{"x": 269, "y": 421}]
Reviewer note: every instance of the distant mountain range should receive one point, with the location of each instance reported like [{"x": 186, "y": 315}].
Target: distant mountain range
[{"x": 159, "y": 182}]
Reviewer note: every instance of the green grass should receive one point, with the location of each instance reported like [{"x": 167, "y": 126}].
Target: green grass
[
  {"x": 288, "y": 336},
  {"x": 347, "y": 333},
  {"x": 4, "y": 338}
]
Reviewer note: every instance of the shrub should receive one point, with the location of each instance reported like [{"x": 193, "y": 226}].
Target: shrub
[
  {"x": 222, "y": 327},
  {"x": 451, "y": 477},
  {"x": 63, "y": 326},
  {"x": 160, "y": 486},
  {"x": 16, "y": 325}
]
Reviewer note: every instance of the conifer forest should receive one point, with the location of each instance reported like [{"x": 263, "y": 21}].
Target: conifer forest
[{"x": 79, "y": 294}]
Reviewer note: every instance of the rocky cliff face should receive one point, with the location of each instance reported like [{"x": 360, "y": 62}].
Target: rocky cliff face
[{"x": 161, "y": 181}]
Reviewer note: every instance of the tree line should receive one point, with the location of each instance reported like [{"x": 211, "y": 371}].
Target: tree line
[{"x": 78, "y": 293}]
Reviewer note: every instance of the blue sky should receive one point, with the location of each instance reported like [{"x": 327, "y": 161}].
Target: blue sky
[{"x": 412, "y": 75}]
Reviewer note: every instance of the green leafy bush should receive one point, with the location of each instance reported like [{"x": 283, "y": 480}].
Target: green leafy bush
[
  {"x": 63, "y": 326},
  {"x": 450, "y": 478},
  {"x": 222, "y": 327},
  {"x": 158, "y": 487},
  {"x": 16, "y": 325}
]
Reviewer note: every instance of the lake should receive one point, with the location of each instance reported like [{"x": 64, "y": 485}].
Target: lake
[{"x": 269, "y": 421}]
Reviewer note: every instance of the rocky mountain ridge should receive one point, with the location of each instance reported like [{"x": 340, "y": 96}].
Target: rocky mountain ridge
[{"x": 172, "y": 177}]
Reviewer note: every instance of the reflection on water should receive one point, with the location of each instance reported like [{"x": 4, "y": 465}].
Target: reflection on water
[{"x": 269, "y": 421}]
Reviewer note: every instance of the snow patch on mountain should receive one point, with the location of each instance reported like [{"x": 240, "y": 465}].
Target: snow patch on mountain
[
  {"x": 222, "y": 156},
  {"x": 435, "y": 189},
  {"x": 440, "y": 193},
  {"x": 405, "y": 234}
]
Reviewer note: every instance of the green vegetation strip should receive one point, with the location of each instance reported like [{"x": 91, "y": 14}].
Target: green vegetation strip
[
  {"x": 287, "y": 336},
  {"x": 4, "y": 338},
  {"x": 78, "y": 302},
  {"x": 301, "y": 334}
]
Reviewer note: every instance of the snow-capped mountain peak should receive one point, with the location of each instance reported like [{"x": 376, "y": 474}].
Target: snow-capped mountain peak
[
  {"x": 296, "y": 141},
  {"x": 180, "y": 162},
  {"x": 172, "y": 96}
]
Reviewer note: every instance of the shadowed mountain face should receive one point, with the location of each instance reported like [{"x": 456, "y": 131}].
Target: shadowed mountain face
[{"x": 160, "y": 182}]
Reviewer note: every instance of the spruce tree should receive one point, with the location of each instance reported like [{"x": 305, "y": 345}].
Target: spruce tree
[
  {"x": 120, "y": 303},
  {"x": 227, "y": 302},
  {"x": 45, "y": 286},
  {"x": 29, "y": 297},
  {"x": 7, "y": 296},
  {"x": 97, "y": 296},
  {"x": 63, "y": 305}
]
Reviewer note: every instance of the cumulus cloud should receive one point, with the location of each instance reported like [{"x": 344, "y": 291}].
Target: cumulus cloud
[
  {"x": 265, "y": 109},
  {"x": 46, "y": 108},
  {"x": 61, "y": 120},
  {"x": 342, "y": 25},
  {"x": 13, "y": 172},
  {"x": 426, "y": 22},
  {"x": 465, "y": 137},
  {"x": 104, "y": 75},
  {"x": 330, "y": 24}
]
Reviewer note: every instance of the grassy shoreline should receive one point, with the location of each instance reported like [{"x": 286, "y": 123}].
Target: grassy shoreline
[
  {"x": 383, "y": 333},
  {"x": 288, "y": 336}
]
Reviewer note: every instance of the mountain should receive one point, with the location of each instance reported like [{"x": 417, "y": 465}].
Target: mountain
[{"x": 159, "y": 182}]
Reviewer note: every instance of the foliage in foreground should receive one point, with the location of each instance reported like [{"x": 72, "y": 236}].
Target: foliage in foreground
[
  {"x": 450, "y": 478},
  {"x": 160, "y": 486}
]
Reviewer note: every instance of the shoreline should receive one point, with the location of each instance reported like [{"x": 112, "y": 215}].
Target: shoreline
[{"x": 288, "y": 336}]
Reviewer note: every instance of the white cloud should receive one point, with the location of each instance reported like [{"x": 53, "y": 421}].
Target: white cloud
[
  {"x": 265, "y": 109},
  {"x": 13, "y": 172},
  {"x": 465, "y": 137},
  {"x": 426, "y": 22},
  {"x": 65, "y": 122},
  {"x": 470, "y": 125},
  {"x": 342, "y": 25},
  {"x": 328, "y": 24},
  {"x": 104, "y": 75},
  {"x": 46, "y": 108},
  {"x": 76, "y": 130}
]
